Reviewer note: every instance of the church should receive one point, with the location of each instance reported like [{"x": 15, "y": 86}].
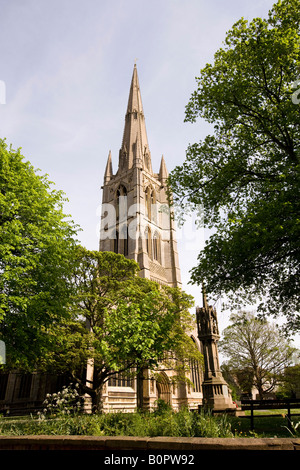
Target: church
[{"x": 137, "y": 222}]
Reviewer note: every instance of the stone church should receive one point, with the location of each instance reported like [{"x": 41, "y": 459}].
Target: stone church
[{"x": 137, "y": 222}]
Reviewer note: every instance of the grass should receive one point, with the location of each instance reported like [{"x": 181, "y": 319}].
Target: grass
[
  {"x": 266, "y": 426},
  {"x": 159, "y": 423}
]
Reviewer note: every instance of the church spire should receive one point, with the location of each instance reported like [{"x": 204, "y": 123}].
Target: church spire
[
  {"x": 135, "y": 99},
  {"x": 135, "y": 149}
]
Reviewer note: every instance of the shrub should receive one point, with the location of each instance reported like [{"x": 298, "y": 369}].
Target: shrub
[
  {"x": 67, "y": 401},
  {"x": 161, "y": 422}
]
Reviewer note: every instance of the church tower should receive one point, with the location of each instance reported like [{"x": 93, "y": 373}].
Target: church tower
[
  {"x": 137, "y": 222},
  {"x": 136, "y": 217}
]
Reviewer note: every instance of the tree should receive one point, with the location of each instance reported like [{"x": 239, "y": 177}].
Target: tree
[
  {"x": 245, "y": 176},
  {"x": 258, "y": 347},
  {"x": 240, "y": 381},
  {"x": 36, "y": 244},
  {"x": 120, "y": 323},
  {"x": 289, "y": 385}
]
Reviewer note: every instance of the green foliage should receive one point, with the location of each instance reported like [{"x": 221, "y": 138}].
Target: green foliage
[
  {"x": 289, "y": 382},
  {"x": 36, "y": 244},
  {"x": 120, "y": 322},
  {"x": 246, "y": 175},
  {"x": 165, "y": 423}
]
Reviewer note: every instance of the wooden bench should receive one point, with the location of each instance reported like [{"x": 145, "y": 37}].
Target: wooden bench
[{"x": 287, "y": 404}]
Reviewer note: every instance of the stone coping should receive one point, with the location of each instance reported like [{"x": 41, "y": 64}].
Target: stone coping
[{"x": 154, "y": 444}]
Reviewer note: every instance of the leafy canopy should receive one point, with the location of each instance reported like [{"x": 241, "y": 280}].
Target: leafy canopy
[
  {"x": 120, "y": 322},
  {"x": 36, "y": 243},
  {"x": 245, "y": 176}
]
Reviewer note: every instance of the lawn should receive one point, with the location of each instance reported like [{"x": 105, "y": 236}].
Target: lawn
[{"x": 266, "y": 426}]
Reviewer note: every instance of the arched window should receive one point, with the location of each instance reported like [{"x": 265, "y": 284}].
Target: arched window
[
  {"x": 121, "y": 192},
  {"x": 116, "y": 242},
  {"x": 149, "y": 202},
  {"x": 156, "y": 247},
  {"x": 121, "y": 239},
  {"x": 123, "y": 244},
  {"x": 148, "y": 241},
  {"x": 195, "y": 373}
]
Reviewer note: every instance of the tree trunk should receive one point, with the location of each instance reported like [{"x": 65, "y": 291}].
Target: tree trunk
[
  {"x": 97, "y": 400},
  {"x": 259, "y": 385}
]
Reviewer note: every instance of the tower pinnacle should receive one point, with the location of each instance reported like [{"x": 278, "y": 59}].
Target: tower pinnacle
[{"x": 108, "y": 170}]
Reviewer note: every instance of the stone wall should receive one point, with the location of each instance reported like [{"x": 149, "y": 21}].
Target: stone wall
[{"x": 146, "y": 444}]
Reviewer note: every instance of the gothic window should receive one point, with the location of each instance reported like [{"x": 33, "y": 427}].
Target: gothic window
[
  {"x": 149, "y": 202},
  {"x": 156, "y": 247},
  {"x": 148, "y": 241},
  {"x": 116, "y": 242},
  {"x": 195, "y": 374},
  {"x": 121, "y": 379},
  {"x": 126, "y": 243},
  {"x": 120, "y": 208},
  {"x": 123, "y": 240},
  {"x": 121, "y": 192}
]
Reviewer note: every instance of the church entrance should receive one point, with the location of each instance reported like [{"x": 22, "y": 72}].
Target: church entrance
[{"x": 163, "y": 389}]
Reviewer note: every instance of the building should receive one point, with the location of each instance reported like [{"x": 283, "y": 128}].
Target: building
[{"x": 137, "y": 222}]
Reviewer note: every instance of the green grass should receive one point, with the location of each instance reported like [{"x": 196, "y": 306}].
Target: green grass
[
  {"x": 266, "y": 426},
  {"x": 162, "y": 423}
]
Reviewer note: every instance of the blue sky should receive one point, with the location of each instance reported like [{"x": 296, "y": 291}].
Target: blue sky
[{"x": 67, "y": 67}]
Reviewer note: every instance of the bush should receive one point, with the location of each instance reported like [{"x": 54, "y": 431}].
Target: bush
[
  {"x": 67, "y": 401},
  {"x": 161, "y": 422}
]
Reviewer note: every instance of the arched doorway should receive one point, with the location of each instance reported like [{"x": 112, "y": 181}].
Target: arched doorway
[{"x": 163, "y": 389}]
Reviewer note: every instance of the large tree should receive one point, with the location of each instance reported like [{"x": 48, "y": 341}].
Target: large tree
[
  {"x": 245, "y": 175},
  {"x": 120, "y": 324},
  {"x": 36, "y": 244},
  {"x": 257, "y": 352}
]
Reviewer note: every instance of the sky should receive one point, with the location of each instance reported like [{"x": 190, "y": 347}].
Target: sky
[{"x": 65, "y": 72}]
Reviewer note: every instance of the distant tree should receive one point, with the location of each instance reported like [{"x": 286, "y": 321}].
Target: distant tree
[
  {"x": 258, "y": 347},
  {"x": 289, "y": 382},
  {"x": 231, "y": 380},
  {"x": 246, "y": 175},
  {"x": 120, "y": 324},
  {"x": 37, "y": 241},
  {"x": 239, "y": 380}
]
